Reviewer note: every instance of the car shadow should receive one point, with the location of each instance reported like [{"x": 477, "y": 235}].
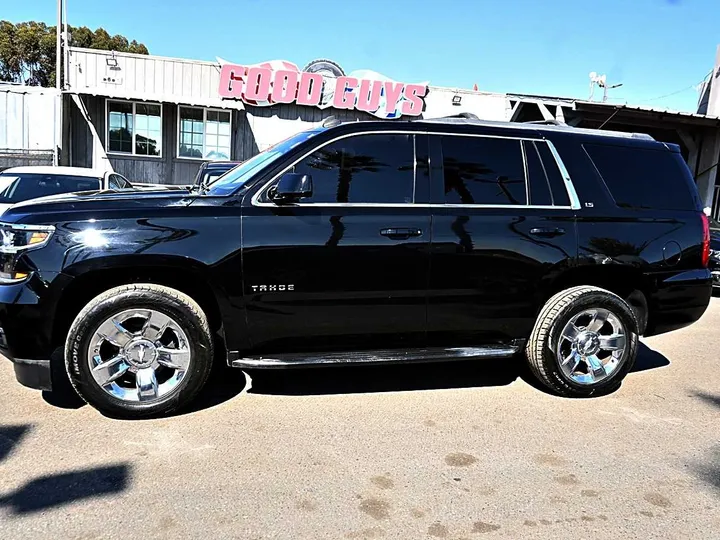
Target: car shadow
[
  {"x": 408, "y": 377},
  {"x": 359, "y": 379},
  {"x": 225, "y": 382}
]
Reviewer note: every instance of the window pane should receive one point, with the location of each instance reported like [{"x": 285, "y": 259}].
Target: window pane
[
  {"x": 224, "y": 129},
  {"x": 224, "y": 117},
  {"x": 537, "y": 178},
  {"x": 643, "y": 177},
  {"x": 148, "y": 129},
  {"x": 211, "y": 128},
  {"x": 482, "y": 170},
  {"x": 212, "y": 116},
  {"x": 362, "y": 169},
  {"x": 555, "y": 179},
  {"x": 120, "y": 122},
  {"x": 190, "y": 151},
  {"x": 191, "y": 114},
  {"x": 197, "y": 139}
]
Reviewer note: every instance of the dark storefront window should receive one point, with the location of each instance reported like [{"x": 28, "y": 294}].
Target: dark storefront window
[
  {"x": 134, "y": 128},
  {"x": 204, "y": 133}
]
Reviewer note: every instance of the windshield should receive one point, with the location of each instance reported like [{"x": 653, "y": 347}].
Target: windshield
[
  {"x": 18, "y": 187},
  {"x": 237, "y": 177}
]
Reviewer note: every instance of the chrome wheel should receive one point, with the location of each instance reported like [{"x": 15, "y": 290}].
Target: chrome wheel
[
  {"x": 139, "y": 355},
  {"x": 591, "y": 346}
]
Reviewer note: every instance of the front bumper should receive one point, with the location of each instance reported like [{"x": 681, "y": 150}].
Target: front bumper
[
  {"x": 34, "y": 374},
  {"x": 26, "y": 331}
]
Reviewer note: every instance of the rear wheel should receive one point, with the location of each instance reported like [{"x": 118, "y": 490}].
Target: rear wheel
[
  {"x": 139, "y": 350},
  {"x": 584, "y": 342}
]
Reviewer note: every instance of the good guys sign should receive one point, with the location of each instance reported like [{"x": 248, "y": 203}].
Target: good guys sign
[{"x": 282, "y": 82}]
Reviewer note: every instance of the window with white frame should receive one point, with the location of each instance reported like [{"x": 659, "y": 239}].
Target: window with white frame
[
  {"x": 134, "y": 128},
  {"x": 204, "y": 133}
]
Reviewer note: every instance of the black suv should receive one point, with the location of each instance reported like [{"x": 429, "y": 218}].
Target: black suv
[{"x": 362, "y": 243}]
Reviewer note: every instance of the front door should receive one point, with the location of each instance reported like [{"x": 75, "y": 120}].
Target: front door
[
  {"x": 347, "y": 267},
  {"x": 503, "y": 229}
]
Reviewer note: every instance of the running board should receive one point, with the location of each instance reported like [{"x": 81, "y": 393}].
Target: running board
[{"x": 375, "y": 357}]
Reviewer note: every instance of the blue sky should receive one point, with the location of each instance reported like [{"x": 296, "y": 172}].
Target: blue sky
[{"x": 653, "y": 47}]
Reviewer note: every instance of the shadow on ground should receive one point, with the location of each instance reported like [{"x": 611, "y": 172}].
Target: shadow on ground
[
  {"x": 225, "y": 383},
  {"x": 57, "y": 489},
  {"x": 709, "y": 472},
  {"x": 409, "y": 377}
]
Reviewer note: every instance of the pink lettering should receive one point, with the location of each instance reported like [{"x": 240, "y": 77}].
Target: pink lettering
[
  {"x": 258, "y": 84},
  {"x": 310, "y": 89},
  {"x": 414, "y": 104},
  {"x": 231, "y": 84},
  {"x": 368, "y": 98},
  {"x": 344, "y": 99},
  {"x": 285, "y": 87},
  {"x": 392, "y": 95}
]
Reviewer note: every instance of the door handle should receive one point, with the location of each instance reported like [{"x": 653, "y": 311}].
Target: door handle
[
  {"x": 547, "y": 232},
  {"x": 400, "y": 233}
]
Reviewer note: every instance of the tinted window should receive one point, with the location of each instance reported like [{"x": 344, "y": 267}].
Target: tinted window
[
  {"x": 362, "y": 169},
  {"x": 117, "y": 182},
  {"x": 547, "y": 186},
  {"x": 481, "y": 170},
  {"x": 22, "y": 187},
  {"x": 537, "y": 178},
  {"x": 643, "y": 178},
  {"x": 555, "y": 179}
]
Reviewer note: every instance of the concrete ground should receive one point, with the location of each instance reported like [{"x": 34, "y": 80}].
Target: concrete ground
[{"x": 457, "y": 450}]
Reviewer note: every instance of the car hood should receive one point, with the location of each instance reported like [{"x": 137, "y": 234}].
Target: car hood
[{"x": 103, "y": 200}]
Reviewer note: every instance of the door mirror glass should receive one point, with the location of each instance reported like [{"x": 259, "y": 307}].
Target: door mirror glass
[{"x": 292, "y": 187}]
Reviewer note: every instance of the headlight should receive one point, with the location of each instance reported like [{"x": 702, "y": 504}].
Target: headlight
[
  {"x": 13, "y": 240},
  {"x": 16, "y": 238}
]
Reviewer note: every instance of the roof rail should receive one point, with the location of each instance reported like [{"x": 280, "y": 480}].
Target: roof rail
[
  {"x": 551, "y": 122},
  {"x": 469, "y": 116}
]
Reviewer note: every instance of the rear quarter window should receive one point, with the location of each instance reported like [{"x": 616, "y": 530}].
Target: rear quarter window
[{"x": 644, "y": 178}]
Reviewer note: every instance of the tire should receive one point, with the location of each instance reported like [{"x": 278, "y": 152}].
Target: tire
[
  {"x": 546, "y": 360},
  {"x": 189, "y": 352}
]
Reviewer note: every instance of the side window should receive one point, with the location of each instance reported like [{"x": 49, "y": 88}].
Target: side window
[
  {"x": 644, "y": 177},
  {"x": 483, "y": 170},
  {"x": 545, "y": 181},
  {"x": 554, "y": 176},
  {"x": 362, "y": 169},
  {"x": 115, "y": 181},
  {"x": 538, "y": 183}
]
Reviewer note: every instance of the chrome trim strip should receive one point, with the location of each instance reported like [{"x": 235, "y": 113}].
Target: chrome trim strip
[
  {"x": 413, "y": 205},
  {"x": 574, "y": 200},
  {"x": 21, "y": 227},
  {"x": 527, "y": 175}
]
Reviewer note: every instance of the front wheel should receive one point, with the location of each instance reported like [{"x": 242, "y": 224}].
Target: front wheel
[
  {"x": 584, "y": 342},
  {"x": 139, "y": 350}
]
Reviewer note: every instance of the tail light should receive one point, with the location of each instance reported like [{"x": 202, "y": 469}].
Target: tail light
[{"x": 706, "y": 241}]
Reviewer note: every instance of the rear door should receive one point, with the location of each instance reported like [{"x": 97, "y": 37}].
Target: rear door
[
  {"x": 347, "y": 268},
  {"x": 503, "y": 229}
]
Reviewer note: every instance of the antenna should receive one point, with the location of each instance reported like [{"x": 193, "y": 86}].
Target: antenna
[{"x": 601, "y": 81}]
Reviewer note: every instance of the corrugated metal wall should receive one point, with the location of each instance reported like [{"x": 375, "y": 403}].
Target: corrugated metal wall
[{"x": 27, "y": 125}]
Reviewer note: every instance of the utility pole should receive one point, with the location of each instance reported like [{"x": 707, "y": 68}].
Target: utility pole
[{"x": 58, "y": 85}]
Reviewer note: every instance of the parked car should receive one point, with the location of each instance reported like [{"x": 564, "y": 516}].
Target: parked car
[
  {"x": 715, "y": 252},
  {"x": 212, "y": 170},
  {"x": 358, "y": 243},
  {"x": 19, "y": 184}
]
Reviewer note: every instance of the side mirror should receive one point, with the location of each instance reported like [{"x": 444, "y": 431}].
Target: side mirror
[{"x": 292, "y": 187}]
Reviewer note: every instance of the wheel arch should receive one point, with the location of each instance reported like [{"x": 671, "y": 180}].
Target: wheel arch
[
  {"x": 184, "y": 275},
  {"x": 627, "y": 282}
]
